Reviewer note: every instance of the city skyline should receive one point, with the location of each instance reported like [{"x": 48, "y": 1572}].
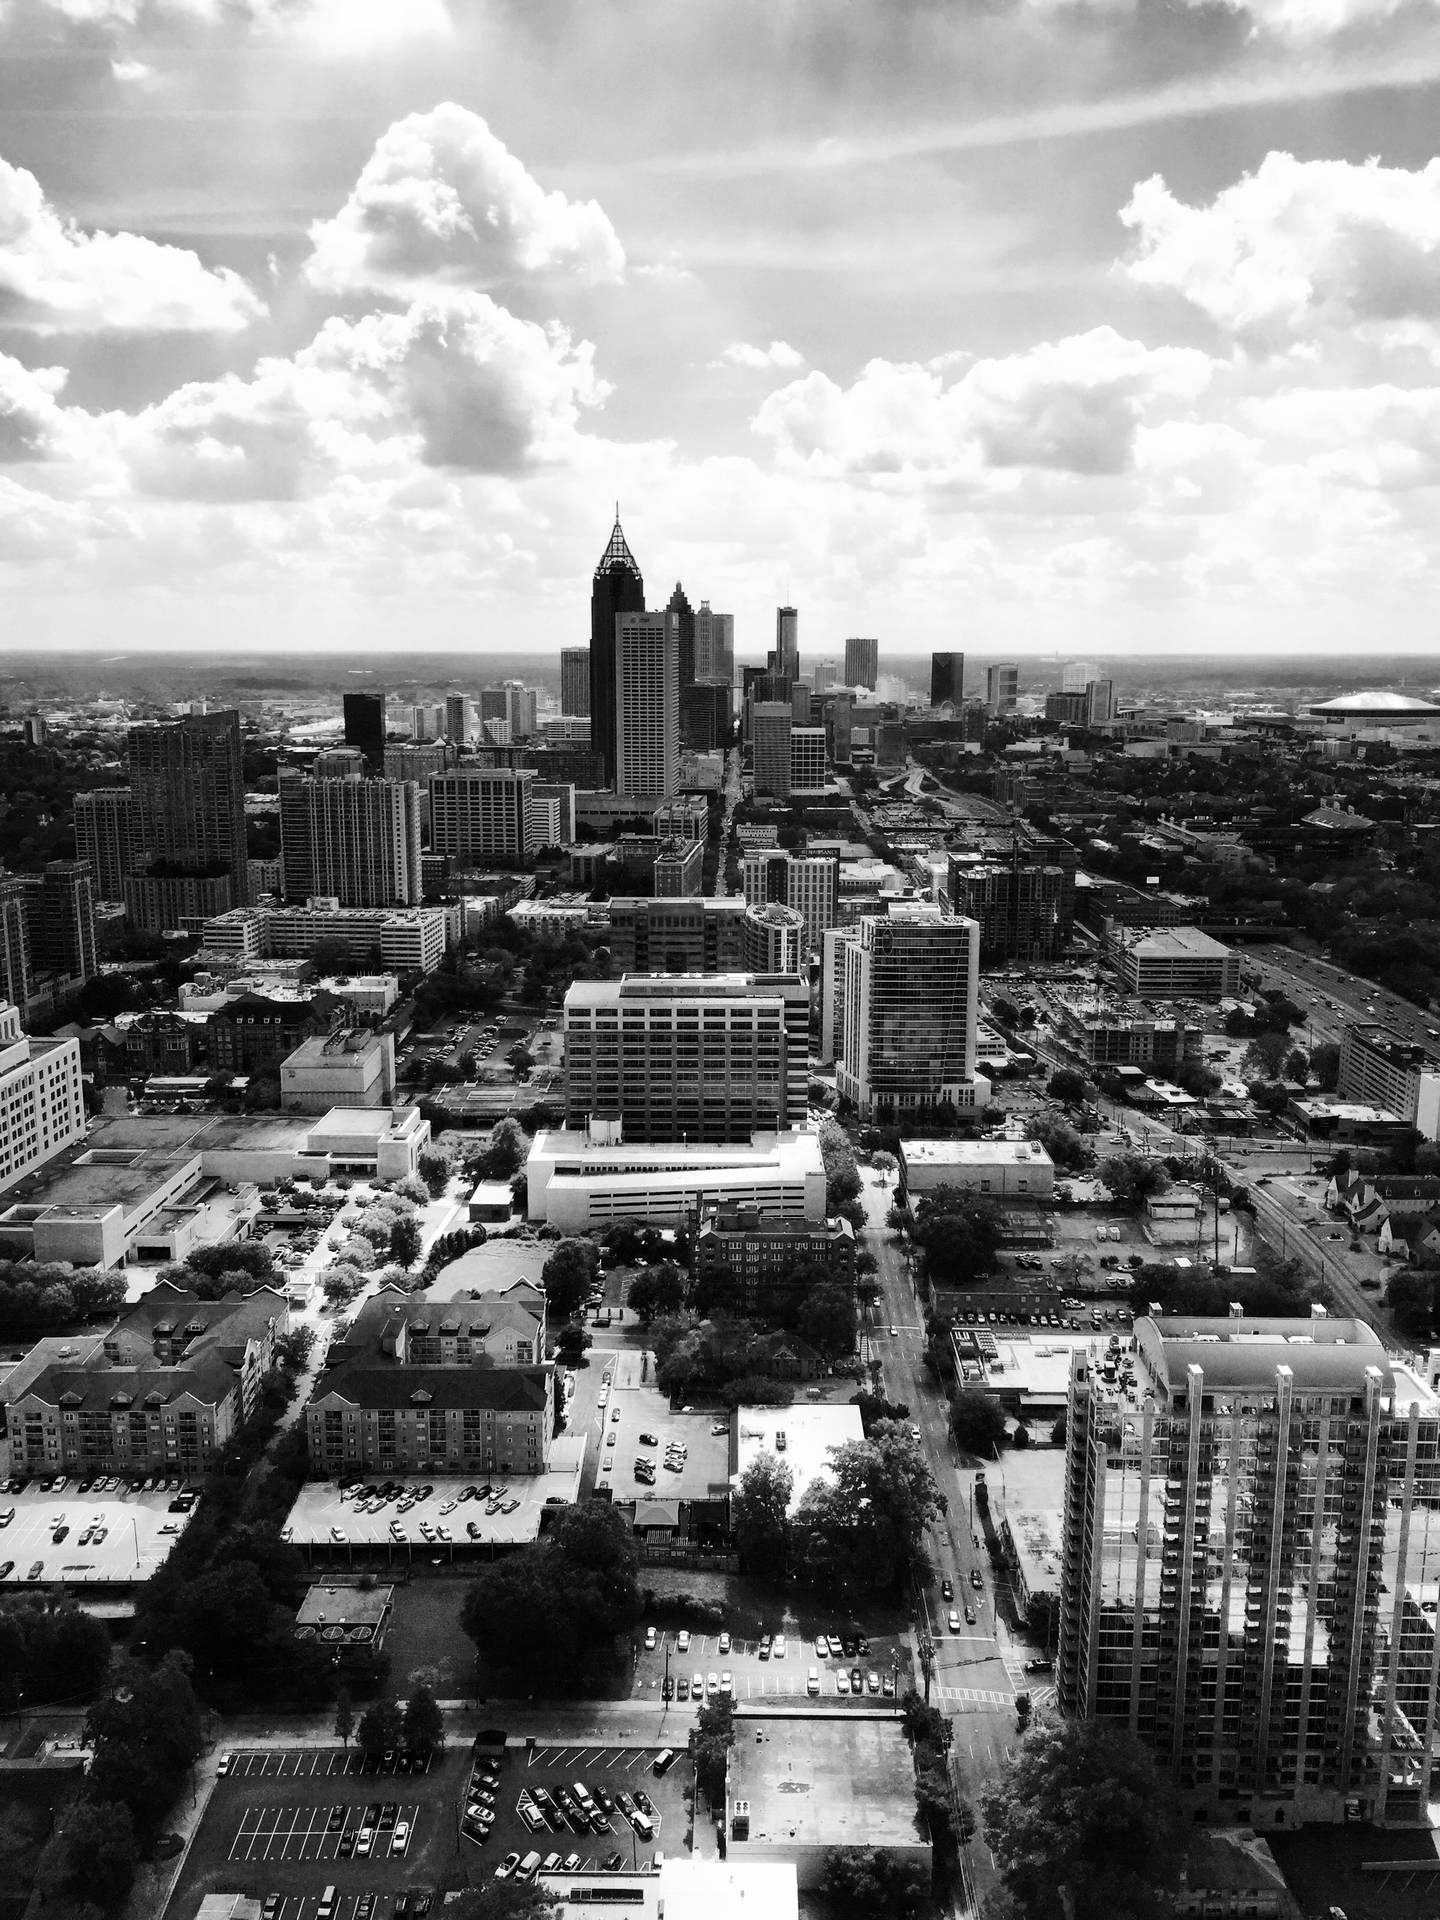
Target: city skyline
[{"x": 1081, "y": 329}]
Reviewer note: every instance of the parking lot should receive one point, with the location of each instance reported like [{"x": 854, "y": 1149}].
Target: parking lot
[
  {"x": 282, "y": 1763},
  {"x": 345, "y": 1527},
  {"x": 120, "y": 1535},
  {"x": 628, "y": 1409},
  {"x": 703, "y": 1658},
  {"x": 621, "y": 1782},
  {"x": 325, "y": 1833}
]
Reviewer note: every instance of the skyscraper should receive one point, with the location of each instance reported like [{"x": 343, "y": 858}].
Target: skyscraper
[
  {"x": 483, "y": 812},
  {"x": 685, "y": 627},
  {"x": 617, "y": 589},
  {"x": 365, "y": 727},
  {"x": 187, "y": 795},
  {"x": 356, "y": 841},
  {"x": 457, "y": 717},
  {"x": 862, "y": 661},
  {"x": 62, "y": 920},
  {"x": 103, "y": 837},
  {"x": 1250, "y": 1543},
  {"x": 770, "y": 724},
  {"x": 787, "y": 641},
  {"x": 1075, "y": 676},
  {"x": 714, "y": 646},
  {"x": 947, "y": 679},
  {"x": 575, "y": 681},
  {"x": 1002, "y": 688},
  {"x": 912, "y": 991},
  {"x": 1099, "y": 701},
  {"x": 647, "y": 704}
]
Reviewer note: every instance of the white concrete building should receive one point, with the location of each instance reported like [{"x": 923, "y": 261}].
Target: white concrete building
[
  {"x": 1003, "y": 1169},
  {"x": 352, "y": 1068},
  {"x": 577, "y": 1180},
  {"x": 912, "y": 990},
  {"x": 647, "y": 704},
  {"x": 42, "y": 1108}
]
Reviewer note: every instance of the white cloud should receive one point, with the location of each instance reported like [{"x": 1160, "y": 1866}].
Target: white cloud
[
  {"x": 456, "y": 384},
  {"x": 132, "y": 73},
  {"x": 1071, "y": 405},
  {"x": 56, "y": 278},
  {"x": 30, "y": 420},
  {"x": 1296, "y": 246},
  {"x": 1319, "y": 19},
  {"x": 779, "y": 355},
  {"x": 442, "y": 202},
  {"x": 338, "y": 28}
]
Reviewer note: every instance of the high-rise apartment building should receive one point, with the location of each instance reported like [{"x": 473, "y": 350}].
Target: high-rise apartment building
[
  {"x": 1099, "y": 702},
  {"x": 427, "y": 722},
  {"x": 103, "y": 838},
  {"x": 809, "y": 762},
  {"x": 61, "y": 909},
  {"x": 1024, "y": 912},
  {"x": 770, "y": 724},
  {"x": 824, "y": 675},
  {"x": 575, "y": 681},
  {"x": 947, "y": 679},
  {"x": 355, "y": 841},
  {"x": 365, "y": 727},
  {"x": 457, "y": 718},
  {"x": 17, "y": 981},
  {"x": 912, "y": 990},
  {"x": 1076, "y": 676},
  {"x": 787, "y": 641},
  {"x": 42, "y": 1106},
  {"x": 774, "y": 939},
  {"x": 187, "y": 798},
  {"x": 417, "y": 760},
  {"x": 808, "y": 882},
  {"x": 1380, "y": 1069},
  {"x": 1002, "y": 687},
  {"x": 647, "y": 704},
  {"x": 617, "y": 589},
  {"x": 483, "y": 813},
  {"x": 697, "y": 935},
  {"x": 1250, "y": 1547},
  {"x": 862, "y": 661},
  {"x": 834, "y": 947},
  {"x": 35, "y": 730},
  {"x": 688, "y": 1057},
  {"x": 714, "y": 646}
]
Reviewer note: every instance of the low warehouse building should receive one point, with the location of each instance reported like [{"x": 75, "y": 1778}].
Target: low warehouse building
[{"x": 1006, "y": 1169}]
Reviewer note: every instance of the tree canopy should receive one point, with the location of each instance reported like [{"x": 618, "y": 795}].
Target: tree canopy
[
  {"x": 959, "y": 1232},
  {"x": 863, "y": 1525},
  {"x": 977, "y": 1421},
  {"x": 1132, "y": 1179},
  {"x": 656, "y": 1290},
  {"x": 761, "y": 1508},
  {"x": 560, "y": 1603},
  {"x": 568, "y": 1275}
]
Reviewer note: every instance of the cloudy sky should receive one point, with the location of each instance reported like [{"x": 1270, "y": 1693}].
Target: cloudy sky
[{"x": 1074, "y": 324}]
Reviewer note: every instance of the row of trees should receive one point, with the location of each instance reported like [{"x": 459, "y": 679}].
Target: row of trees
[
  {"x": 418, "y": 1726},
  {"x": 47, "y": 1296},
  {"x": 49, "y": 1651}
]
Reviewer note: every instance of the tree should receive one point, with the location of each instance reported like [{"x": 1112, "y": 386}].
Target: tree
[
  {"x": 960, "y": 1234},
  {"x": 559, "y": 1604},
  {"x": 1266, "y": 1054},
  {"x": 1070, "y": 1086},
  {"x": 1060, "y": 1141},
  {"x": 506, "y": 1151},
  {"x": 977, "y": 1422},
  {"x": 872, "y": 1885},
  {"x": 423, "y": 1729},
  {"x": 657, "y": 1290},
  {"x": 1412, "y": 1297},
  {"x": 501, "y": 1900},
  {"x": 864, "y": 1525},
  {"x": 380, "y": 1727},
  {"x": 405, "y": 1240},
  {"x": 344, "y": 1717},
  {"x": 145, "y": 1731},
  {"x": 842, "y": 1175},
  {"x": 1081, "y": 1822},
  {"x": 573, "y": 1341},
  {"x": 1132, "y": 1179},
  {"x": 710, "y": 1744},
  {"x": 434, "y": 1169},
  {"x": 1297, "y": 1065},
  {"x": 568, "y": 1276},
  {"x": 293, "y": 1349},
  {"x": 761, "y": 1511},
  {"x": 827, "y": 1320},
  {"x": 1325, "y": 1065},
  {"x": 92, "y": 1858}
]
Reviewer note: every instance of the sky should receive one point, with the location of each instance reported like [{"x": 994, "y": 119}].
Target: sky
[{"x": 1013, "y": 325}]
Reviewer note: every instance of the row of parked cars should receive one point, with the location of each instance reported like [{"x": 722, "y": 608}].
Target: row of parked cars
[{"x": 108, "y": 1483}]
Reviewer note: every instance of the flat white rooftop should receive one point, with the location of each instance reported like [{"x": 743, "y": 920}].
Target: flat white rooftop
[
  {"x": 973, "y": 1153},
  {"x": 801, "y": 1437}
]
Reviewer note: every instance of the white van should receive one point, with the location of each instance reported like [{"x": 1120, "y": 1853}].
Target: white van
[
  {"x": 812, "y": 1681},
  {"x": 528, "y": 1867},
  {"x": 327, "y": 1904},
  {"x": 643, "y": 1825}
]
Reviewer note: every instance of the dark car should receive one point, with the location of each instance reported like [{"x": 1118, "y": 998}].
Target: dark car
[
  {"x": 60, "y": 1533},
  {"x": 7, "y": 1567},
  {"x": 603, "y": 1801},
  {"x": 947, "y": 1589},
  {"x": 614, "y": 1863},
  {"x": 643, "y": 1801},
  {"x": 336, "y": 1820},
  {"x": 347, "y": 1846},
  {"x": 667, "y": 1687}
]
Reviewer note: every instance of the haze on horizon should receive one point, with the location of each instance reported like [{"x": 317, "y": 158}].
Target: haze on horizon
[{"x": 337, "y": 326}]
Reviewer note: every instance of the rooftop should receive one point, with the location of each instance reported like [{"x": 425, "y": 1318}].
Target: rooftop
[
  {"x": 1376, "y": 703},
  {"x": 824, "y": 1780},
  {"x": 1243, "y": 1353},
  {"x": 690, "y": 986},
  {"x": 1181, "y": 943},
  {"x": 352, "y": 1606},
  {"x": 96, "y": 1181},
  {"x": 973, "y": 1153},
  {"x": 809, "y": 1433}
]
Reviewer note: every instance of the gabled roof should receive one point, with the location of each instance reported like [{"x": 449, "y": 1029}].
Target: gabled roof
[{"x": 498, "y": 1389}]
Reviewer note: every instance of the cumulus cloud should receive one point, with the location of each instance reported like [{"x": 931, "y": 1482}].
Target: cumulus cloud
[
  {"x": 1072, "y": 405},
  {"x": 57, "y": 278},
  {"x": 1296, "y": 246},
  {"x": 779, "y": 355},
  {"x": 1318, "y": 19},
  {"x": 460, "y": 384},
  {"x": 442, "y": 202},
  {"x": 30, "y": 419}
]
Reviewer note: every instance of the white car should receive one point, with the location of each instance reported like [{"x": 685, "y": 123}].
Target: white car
[
  {"x": 777, "y": 1650},
  {"x": 682, "y": 1640}
]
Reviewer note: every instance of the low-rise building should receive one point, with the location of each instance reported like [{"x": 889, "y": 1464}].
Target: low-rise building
[
  {"x": 99, "y": 1208},
  {"x": 165, "y": 1391},
  {"x": 1008, "y": 1169},
  {"x": 354, "y": 1068},
  {"x": 579, "y": 1180},
  {"x": 418, "y": 1386},
  {"x": 348, "y": 1620},
  {"x": 1108, "y": 1032},
  {"x": 743, "y": 1257},
  {"x": 403, "y": 939},
  {"x": 1380, "y": 1069},
  {"x": 1172, "y": 963}
]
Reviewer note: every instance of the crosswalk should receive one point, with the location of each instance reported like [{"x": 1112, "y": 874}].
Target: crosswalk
[{"x": 964, "y": 1697}]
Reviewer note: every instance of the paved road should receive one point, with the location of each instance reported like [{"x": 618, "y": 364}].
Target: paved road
[{"x": 978, "y": 1670}]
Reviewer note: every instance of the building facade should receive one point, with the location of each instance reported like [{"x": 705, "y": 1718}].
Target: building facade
[
  {"x": 743, "y": 1258},
  {"x": 1002, "y": 688},
  {"x": 912, "y": 985},
  {"x": 365, "y": 727},
  {"x": 187, "y": 796},
  {"x": 575, "y": 681},
  {"x": 947, "y": 679},
  {"x": 618, "y": 588},
  {"x": 647, "y": 704},
  {"x": 103, "y": 837},
  {"x": 862, "y": 661},
  {"x": 774, "y": 939},
  {"x": 1251, "y": 1530},
  {"x": 690, "y": 1057},
  {"x": 42, "y": 1105},
  {"x": 484, "y": 813},
  {"x": 1379, "y": 1069},
  {"x": 1172, "y": 963},
  {"x": 699, "y": 935},
  {"x": 770, "y": 725},
  {"x": 355, "y": 841},
  {"x": 1021, "y": 910}
]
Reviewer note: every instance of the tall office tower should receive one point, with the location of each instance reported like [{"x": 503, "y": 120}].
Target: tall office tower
[
  {"x": 801, "y": 700},
  {"x": 647, "y": 704},
  {"x": 187, "y": 798},
  {"x": 1023, "y": 912},
  {"x": 365, "y": 727},
  {"x": 1076, "y": 676},
  {"x": 414, "y": 760},
  {"x": 42, "y": 1105},
  {"x": 770, "y": 724},
  {"x": 617, "y": 589},
  {"x": 862, "y": 661},
  {"x": 575, "y": 681},
  {"x": 457, "y": 717},
  {"x": 787, "y": 641},
  {"x": 688, "y": 1057},
  {"x": 17, "y": 981},
  {"x": 947, "y": 679},
  {"x": 685, "y": 627},
  {"x": 774, "y": 939},
  {"x": 809, "y": 765},
  {"x": 807, "y": 882},
  {"x": 520, "y": 708},
  {"x": 706, "y": 719},
  {"x": 1250, "y": 1543},
  {"x": 103, "y": 838},
  {"x": 714, "y": 645},
  {"x": 835, "y": 946},
  {"x": 1002, "y": 688},
  {"x": 484, "y": 813},
  {"x": 824, "y": 675},
  {"x": 1099, "y": 701},
  {"x": 61, "y": 911},
  {"x": 355, "y": 841},
  {"x": 912, "y": 989}
]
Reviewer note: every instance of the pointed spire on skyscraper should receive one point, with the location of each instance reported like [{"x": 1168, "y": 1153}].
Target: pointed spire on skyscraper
[{"x": 618, "y": 553}]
